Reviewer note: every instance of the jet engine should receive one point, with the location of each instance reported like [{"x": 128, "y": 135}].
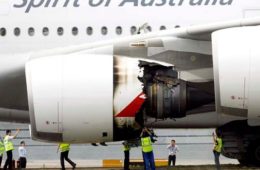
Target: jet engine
[{"x": 83, "y": 98}]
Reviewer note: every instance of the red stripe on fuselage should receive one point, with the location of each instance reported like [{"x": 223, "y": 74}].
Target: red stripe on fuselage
[{"x": 132, "y": 109}]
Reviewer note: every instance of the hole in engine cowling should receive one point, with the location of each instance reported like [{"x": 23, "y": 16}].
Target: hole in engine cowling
[{"x": 167, "y": 96}]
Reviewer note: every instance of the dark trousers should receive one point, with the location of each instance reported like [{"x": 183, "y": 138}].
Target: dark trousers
[
  {"x": 1, "y": 158},
  {"x": 171, "y": 159},
  {"x": 149, "y": 160},
  {"x": 216, "y": 156},
  {"x": 8, "y": 162},
  {"x": 64, "y": 155},
  {"x": 126, "y": 161},
  {"x": 23, "y": 162},
  {"x": 144, "y": 160}
]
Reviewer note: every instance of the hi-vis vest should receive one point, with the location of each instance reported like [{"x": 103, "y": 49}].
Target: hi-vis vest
[
  {"x": 8, "y": 144},
  {"x": 2, "y": 147},
  {"x": 126, "y": 148},
  {"x": 146, "y": 144},
  {"x": 218, "y": 145},
  {"x": 64, "y": 147}
]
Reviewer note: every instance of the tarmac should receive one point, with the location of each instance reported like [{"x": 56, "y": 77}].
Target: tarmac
[
  {"x": 190, "y": 167},
  {"x": 134, "y": 165}
]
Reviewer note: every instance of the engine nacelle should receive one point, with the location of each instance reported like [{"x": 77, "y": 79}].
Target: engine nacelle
[
  {"x": 236, "y": 72},
  {"x": 85, "y": 98}
]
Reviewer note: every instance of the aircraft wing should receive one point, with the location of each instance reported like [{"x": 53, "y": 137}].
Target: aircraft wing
[
  {"x": 196, "y": 32},
  {"x": 203, "y": 32}
]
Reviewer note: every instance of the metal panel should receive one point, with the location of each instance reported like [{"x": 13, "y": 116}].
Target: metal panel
[
  {"x": 87, "y": 98},
  {"x": 231, "y": 66},
  {"x": 43, "y": 84},
  {"x": 251, "y": 13},
  {"x": 5, "y": 6},
  {"x": 236, "y": 71},
  {"x": 254, "y": 83},
  {"x": 71, "y": 95}
]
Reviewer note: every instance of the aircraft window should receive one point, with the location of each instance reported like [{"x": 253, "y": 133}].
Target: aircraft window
[
  {"x": 2, "y": 31},
  {"x": 89, "y": 30},
  {"x": 60, "y": 31},
  {"x": 119, "y": 30},
  {"x": 45, "y": 31},
  {"x": 104, "y": 30},
  {"x": 75, "y": 31},
  {"x": 133, "y": 30},
  {"x": 177, "y": 26},
  {"x": 162, "y": 27},
  {"x": 149, "y": 28},
  {"x": 31, "y": 31},
  {"x": 17, "y": 31}
]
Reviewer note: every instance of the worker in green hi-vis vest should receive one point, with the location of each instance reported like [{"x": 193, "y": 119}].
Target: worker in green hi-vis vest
[
  {"x": 2, "y": 150},
  {"x": 218, "y": 144},
  {"x": 9, "y": 147},
  {"x": 147, "y": 149},
  {"x": 64, "y": 153}
]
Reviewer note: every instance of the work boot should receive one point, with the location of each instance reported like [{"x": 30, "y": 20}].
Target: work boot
[
  {"x": 103, "y": 144},
  {"x": 74, "y": 166}
]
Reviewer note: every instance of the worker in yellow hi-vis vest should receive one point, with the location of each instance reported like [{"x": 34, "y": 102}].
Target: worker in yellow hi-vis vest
[
  {"x": 2, "y": 150},
  {"x": 218, "y": 144},
  {"x": 9, "y": 147},
  {"x": 147, "y": 150},
  {"x": 64, "y": 153}
]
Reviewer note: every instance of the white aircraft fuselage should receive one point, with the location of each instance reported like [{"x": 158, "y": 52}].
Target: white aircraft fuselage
[{"x": 95, "y": 14}]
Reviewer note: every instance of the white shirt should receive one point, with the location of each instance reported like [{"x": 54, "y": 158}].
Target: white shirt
[
  {"x": 22, "y": 151},
  {"x": 9, "y": 138},
  {"x": 173, "y": 149}
]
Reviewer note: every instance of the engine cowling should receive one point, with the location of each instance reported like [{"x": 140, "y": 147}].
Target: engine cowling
[
  {"x": 168, "y": 96},
  {"x": 236, "y": 72},
  {"x": 71, "y": 98}
]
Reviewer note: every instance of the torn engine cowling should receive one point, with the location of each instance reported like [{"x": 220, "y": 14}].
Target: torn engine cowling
[{"x": 167, "y": 96}]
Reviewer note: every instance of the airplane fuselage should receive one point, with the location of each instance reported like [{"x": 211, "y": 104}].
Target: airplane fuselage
[{"x": 27, "y": 26}]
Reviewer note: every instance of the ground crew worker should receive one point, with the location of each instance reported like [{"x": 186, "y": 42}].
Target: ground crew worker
[
  {"x": 147, "y": 150},
  {"x": 218, "y": 144},
  {"x": 9, "y": 147},
  {"x": 22, "y": 155},
  {"x": 2, "y": 150},
  {"x": 173, "y": 149},
  {"x": 64, "y": 153},
  {"x": 126, "y": 148}
]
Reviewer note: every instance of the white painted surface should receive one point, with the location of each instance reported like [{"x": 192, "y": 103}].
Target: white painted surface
[
  {"x": 73, "y": 95},
  {"x": 252, "y": 12},
  {"x": 254, "y": 79},
  {"x": 87, "y": 97},
  {"x": 5, "y": 6},
  {"x": 233, "y": 67},
  {"x": 237, "y": 52},
  {"x": 43, "y": 75}
]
